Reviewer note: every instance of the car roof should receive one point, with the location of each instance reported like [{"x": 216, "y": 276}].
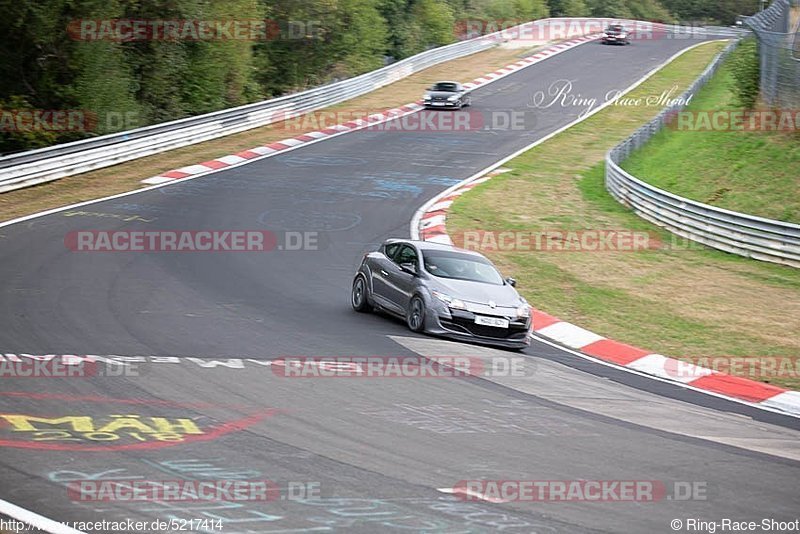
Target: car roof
[
  {"x": 430, "y": 245},
  {"x": 447, "y": 81}
]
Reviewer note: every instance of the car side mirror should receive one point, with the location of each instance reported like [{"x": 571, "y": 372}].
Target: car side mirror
[
  {"x": 409, "y": 268},
  {"x": 512, "y": 282}
]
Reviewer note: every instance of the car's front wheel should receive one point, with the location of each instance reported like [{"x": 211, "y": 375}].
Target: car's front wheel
[
  {"x": 358, "y": 296},
  {"x": 415, "y": 318}
]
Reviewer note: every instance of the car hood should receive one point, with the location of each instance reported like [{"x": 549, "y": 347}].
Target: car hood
[
  {"x": 504, "y": 295},
  {"x": 441, "y": 94}
]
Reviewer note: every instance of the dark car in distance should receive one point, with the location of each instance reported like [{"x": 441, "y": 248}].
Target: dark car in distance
[
  {"x": 443, "y": 290},
  {"x": 616, "y": 34},
  {"x": 451, "y": 95}
]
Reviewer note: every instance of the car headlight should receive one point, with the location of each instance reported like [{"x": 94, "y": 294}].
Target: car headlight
[
  {"x": 523, "y": 311},
  {"x": 456, "y": 304},
  {"x": 426, "y": 97},
  {"x": 452, "y": 98}
]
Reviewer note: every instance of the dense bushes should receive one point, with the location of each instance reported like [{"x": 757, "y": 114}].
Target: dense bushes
[{"x": 746, "y": 73}]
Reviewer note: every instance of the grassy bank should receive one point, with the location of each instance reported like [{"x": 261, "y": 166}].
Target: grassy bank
[
  {"x": 685, "y": 302},
  {"x": 756, "y": 172}
]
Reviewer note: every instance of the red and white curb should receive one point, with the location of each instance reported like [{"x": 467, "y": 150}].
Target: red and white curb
[
  {"x": 292, "y": 143},
  {"x": 432, "y": 227}
]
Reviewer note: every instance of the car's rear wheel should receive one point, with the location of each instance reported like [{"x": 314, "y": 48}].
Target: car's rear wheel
[
  {"x": 415, "y": 318},
  {"x": 359, "y": 295}
]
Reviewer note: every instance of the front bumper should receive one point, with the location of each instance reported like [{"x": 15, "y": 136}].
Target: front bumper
[
  {"x": 441, "y": 104},
  {"x": 461, "y": 325},
  {"x": 614, "y": 40}
]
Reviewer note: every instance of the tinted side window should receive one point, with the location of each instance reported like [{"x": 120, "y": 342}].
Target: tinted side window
[
  {"x": 390, "y": 250},
  {"x": 406, "y": 255}
]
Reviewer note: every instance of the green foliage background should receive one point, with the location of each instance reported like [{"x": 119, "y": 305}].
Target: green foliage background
[{"x": 131, "y": 84}]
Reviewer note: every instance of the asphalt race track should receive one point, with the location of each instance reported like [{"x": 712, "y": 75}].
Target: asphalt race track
[{"x": 201, "y": 329}]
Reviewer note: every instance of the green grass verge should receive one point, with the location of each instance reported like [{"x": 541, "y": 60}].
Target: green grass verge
[
  {"x": 754, "y": 172},
  {"x": 686, "y": 302}
]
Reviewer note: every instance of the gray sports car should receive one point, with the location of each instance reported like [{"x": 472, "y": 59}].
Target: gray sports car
[{"x": 443, "y": 290}]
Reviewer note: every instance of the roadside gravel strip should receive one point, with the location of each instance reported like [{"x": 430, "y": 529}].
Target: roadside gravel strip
[{"x": 429, "y": 224}]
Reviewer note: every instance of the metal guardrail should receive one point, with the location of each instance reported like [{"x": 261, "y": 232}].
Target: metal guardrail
[
  {"x": 51, "y": 163},
  {"x": 737, "y": 233}
]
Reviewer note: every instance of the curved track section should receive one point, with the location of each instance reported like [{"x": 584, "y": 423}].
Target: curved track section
[{"x": 201, "y": 399}]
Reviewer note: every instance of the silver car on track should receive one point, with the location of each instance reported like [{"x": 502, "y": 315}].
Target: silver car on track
[{"x": 442, "y": 290}]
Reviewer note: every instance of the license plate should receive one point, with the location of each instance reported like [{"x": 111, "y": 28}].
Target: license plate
[
  {"x": 438, "y": 103},
  {"x": 491, "y": 321}
]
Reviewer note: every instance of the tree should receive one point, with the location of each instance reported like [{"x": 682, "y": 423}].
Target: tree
[
  {"x": 609, "y": 8},
  {"x": 361, "y": 36},
  {"x": 648, "y": 10},
  {"x": 711, "y": 11},
  {"x": 574, "y": 8},
  {"x": 745, "y": 71},
  {"x": 104, "y": 86},
  {"x": 221, "y": 71},
  {"x": 437, "y": 20}
]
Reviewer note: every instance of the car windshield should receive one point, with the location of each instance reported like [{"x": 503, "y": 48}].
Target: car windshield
[
  {"x": 614, "y": 29},
  {"x": 446, "y": 86},
  {"x": 447, "y": 264}
]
